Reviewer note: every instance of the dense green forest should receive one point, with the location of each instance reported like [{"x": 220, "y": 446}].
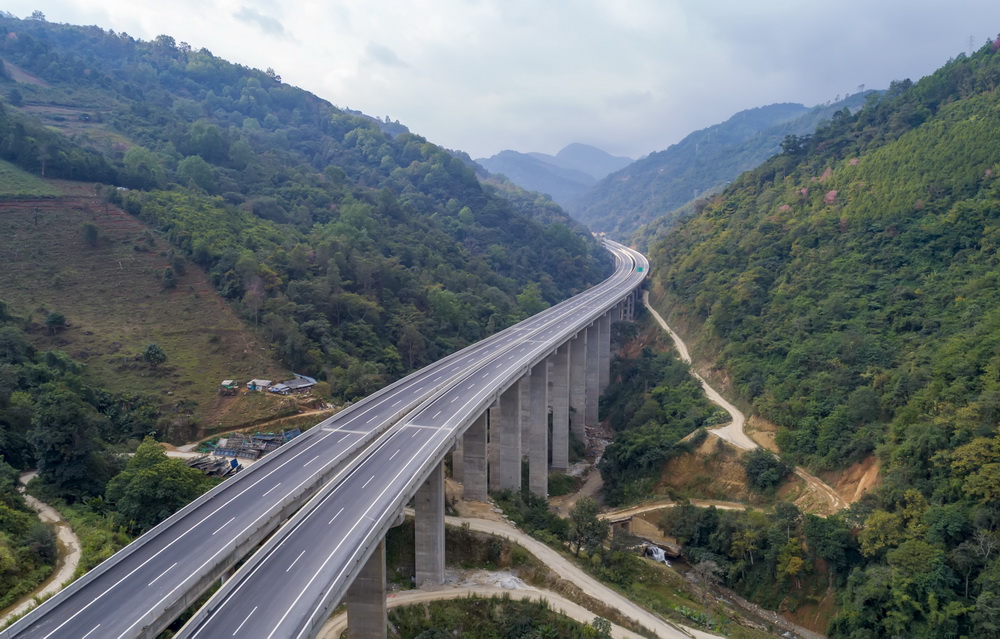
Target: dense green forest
[
  {"x": 360, "y": 250},
  {"x": 849, "y": 287},
  {"x": 654, "y": 403}
]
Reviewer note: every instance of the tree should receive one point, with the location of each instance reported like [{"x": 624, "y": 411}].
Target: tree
[
  {"x": 602, "y": 627},
  {"x": 152, "y": 487},
  {"x": 90, "y": 233},
  {"x": 587, "y": 529},
  {"x": 195, "y": 170},
  {"x": 707, "y": 572},
  {"x": 764, "y": 469},
  {"x": 64, "y": 433},
  {"x": 55, "y": 322},
  {"x": 153, "y": 355}
]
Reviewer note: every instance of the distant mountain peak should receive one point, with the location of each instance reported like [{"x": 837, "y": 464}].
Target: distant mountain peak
[{"x": 563, "y": 176}]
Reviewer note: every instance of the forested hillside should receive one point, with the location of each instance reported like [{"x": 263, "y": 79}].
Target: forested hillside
[
  {"x": 850, "y": 288},
  {"x": 655, "y": 187},
  {"x": 360, "y": 250}
]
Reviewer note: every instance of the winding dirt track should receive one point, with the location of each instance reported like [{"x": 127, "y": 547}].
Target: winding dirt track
[
  {"x": 338, "y": 623},
  {"x": 733, "y": 431},
  {"x": 69, "y": 554},
  {"x": 663, "y": 628}
]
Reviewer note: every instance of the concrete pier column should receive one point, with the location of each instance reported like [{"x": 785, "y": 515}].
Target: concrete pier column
[
  {"x": 538, "y": 438},
  {"x": 494, "y": 446},
  {"x": 474, "y": 460},
  {"x": 605, "y": 350},
  {"x": 510, "y": 438},
  {"x": 365, "y": 599},
  {"x": 593, "y": 373},
  {"x": 560, "y": 407},
  {"x": 428, "y": 519},
  {"x": 525, "y": 390},
  {"x": 578, "y": 385},
  {"x": 457, "y": 466}
]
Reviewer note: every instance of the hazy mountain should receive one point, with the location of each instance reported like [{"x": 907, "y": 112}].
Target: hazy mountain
[
  {"x": 702, "y": 162},
  {"x": 562, "y": 176}
]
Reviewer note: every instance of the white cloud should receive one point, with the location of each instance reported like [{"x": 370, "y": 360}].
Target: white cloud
[{"x": 630, "y": 76}]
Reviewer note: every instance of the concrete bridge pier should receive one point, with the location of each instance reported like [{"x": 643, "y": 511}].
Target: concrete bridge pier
[
  {"x": 593, "y": 391},
  {"x": 474, "y": 448},
  {"x": 538, "y": 432},
  {"x": 605, "y": 350},
  {"x": 560, "y": 407},
  {"x": 510, "y": 438},
  {"x": 428, "y": 522},
  {"x": 578, "y": 385},
  {"x": 367, "y": 617},
  {"x": 457, "y": 465},
  {"x": 493, "y": 430}
]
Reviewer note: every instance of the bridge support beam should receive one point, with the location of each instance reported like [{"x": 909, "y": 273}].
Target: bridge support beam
[
  {"x": 578, "y": 385},
  {"x": 510, "y": 438},
  {"x": 605, "y": 350},
  {"x": 525, "y": 390},
  {"x": 457, "y": 465},
  {"x": 428, "y": 522},
  {"x": 593, "y": 373},
  {"x": 560, "y": 407},
  {"x": 366, "y": 608},
  {"x": 538, "y": 438},
  {"x": 493, "y": 468},
  {"x": 474, "y": 460}
]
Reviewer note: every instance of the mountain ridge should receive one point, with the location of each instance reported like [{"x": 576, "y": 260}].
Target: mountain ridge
[{"x": 562, "y": 177}]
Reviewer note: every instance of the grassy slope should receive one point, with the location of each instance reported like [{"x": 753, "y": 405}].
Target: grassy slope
[{"x": 115, "y": 304}]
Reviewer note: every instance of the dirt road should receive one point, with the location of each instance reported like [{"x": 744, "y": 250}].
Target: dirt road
[
  {"x": 567, "y": 570},
  {"x": 338, "y": 624},
  {"x": 69, "y": 554},
  {"x": 733, "y": 431}
]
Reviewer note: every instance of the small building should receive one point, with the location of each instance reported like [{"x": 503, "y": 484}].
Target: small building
[
  {"x": 229, "y": 387},
  {"x": 280, "y": 388},
  {"x": 300, "y": 384},
  {"x": 259, "y": 384}
]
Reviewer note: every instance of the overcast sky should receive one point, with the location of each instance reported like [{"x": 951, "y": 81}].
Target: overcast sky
[{"x": 629, "y": 76}]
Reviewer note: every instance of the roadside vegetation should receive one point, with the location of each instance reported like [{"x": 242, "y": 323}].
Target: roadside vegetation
[
  {"x": 490, "y": 618},
  {"x": 653, "y": 403},
  {"x": 848, "y": 289}
]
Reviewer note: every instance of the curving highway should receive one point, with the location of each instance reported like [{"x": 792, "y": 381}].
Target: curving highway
[
  {"x": 317, "y": 555},
  {"x": 138, "y": 591}
]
